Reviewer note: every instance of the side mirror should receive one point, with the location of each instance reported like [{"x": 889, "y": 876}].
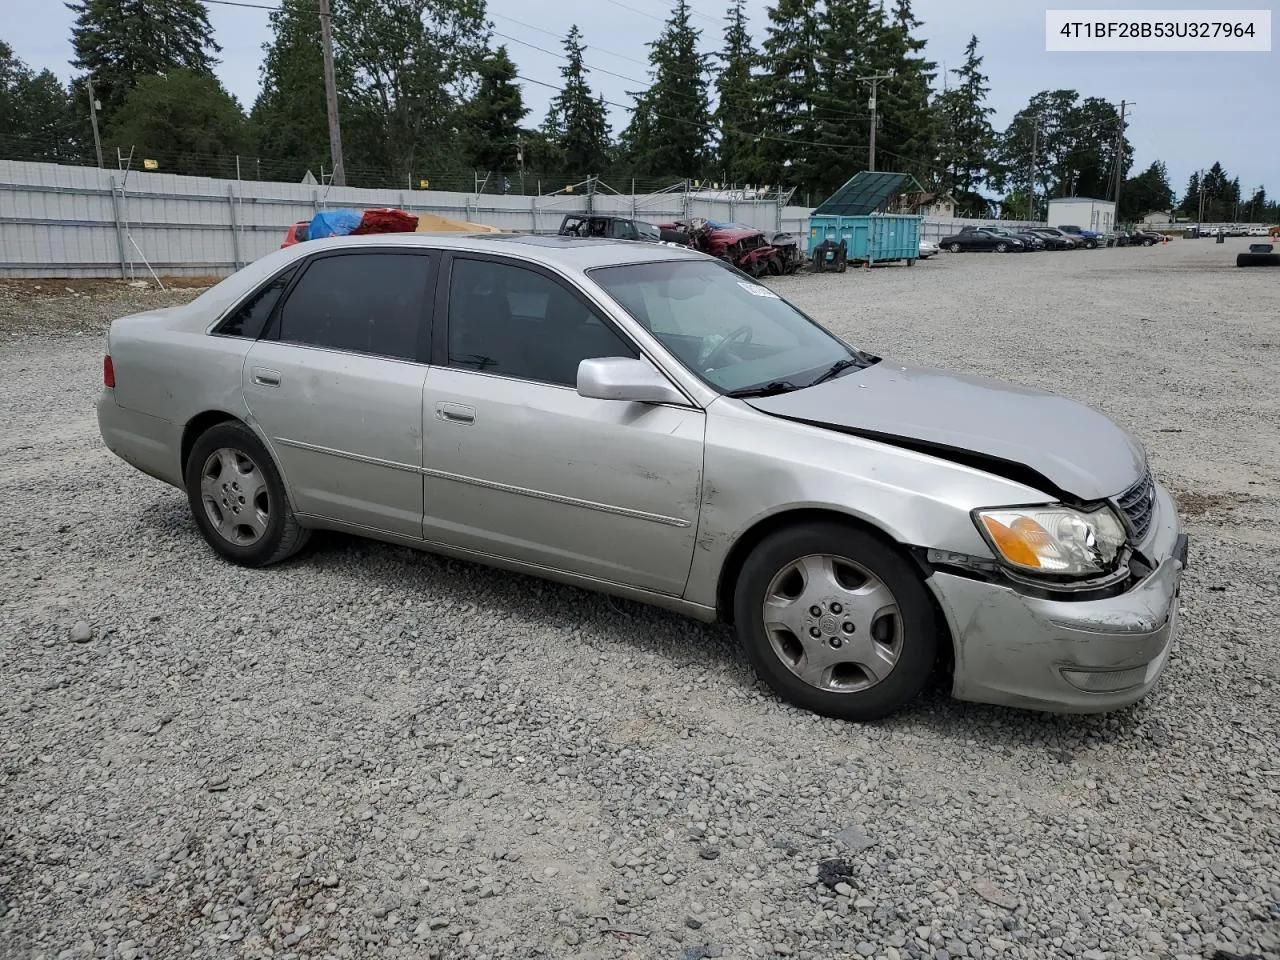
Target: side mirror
[{"x": 621, "y": 378}]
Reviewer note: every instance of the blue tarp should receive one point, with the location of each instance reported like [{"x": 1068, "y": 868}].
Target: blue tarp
[{"x": 334, "y": 223}]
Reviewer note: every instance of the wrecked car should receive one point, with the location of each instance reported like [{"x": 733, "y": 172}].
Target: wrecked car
[{"x": 643, "y": 420}]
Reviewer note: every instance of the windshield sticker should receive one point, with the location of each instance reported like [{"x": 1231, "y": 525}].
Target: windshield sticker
[{"x": 758, "y": 290}]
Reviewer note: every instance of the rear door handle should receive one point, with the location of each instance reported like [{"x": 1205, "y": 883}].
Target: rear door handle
[
  {"x": 266, "y": 376},
  {"x": 455, "y": 412}
]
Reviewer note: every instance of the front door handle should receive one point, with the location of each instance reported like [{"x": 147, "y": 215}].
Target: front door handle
[
  {"x": 266, "y": 377},
  {"x": 455, "y": 412}
]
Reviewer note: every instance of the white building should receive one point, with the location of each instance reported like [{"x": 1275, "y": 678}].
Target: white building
[{"x": 1083, "y": 212}]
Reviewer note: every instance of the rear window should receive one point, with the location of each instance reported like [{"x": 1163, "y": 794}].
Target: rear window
[{"x": 301, "y": 230}]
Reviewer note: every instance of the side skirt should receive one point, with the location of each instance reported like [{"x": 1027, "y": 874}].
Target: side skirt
[{"x": 678, "y": 605}]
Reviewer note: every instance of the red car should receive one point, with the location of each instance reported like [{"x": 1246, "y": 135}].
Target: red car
[{"x": 297, "y": 233}]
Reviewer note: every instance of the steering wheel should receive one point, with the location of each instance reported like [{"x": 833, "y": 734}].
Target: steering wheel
[{"x": 743, "y": 333}]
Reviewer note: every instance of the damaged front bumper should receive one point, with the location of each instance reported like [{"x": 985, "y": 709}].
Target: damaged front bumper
[{"x": 1063, "y": 655}]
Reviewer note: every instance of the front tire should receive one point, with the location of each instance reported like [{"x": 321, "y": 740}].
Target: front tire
[
  {"x": 955, "y": 248},
  {"x": 1002, "y": 248},
  {"x": 835, "y": 621},
  {"x": 237, "y": 498}
]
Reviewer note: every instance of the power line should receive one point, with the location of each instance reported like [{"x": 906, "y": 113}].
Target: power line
[
  {"x": 242, "y": 3},
  {"x": 705, "y": 126},
  {"x": 557, "y": 36}
]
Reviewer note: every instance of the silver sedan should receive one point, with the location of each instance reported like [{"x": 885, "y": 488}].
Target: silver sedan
[{"x": 647, "y": 421}]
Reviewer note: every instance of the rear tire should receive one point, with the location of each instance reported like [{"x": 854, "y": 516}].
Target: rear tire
[
  {"x": 237, "y": 498},
  {"x": 877, "y": 635}
]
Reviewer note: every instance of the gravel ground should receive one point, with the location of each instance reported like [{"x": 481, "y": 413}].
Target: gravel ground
[{"x": 370, "y": 752}]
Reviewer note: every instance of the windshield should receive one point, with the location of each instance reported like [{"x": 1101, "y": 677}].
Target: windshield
[{"x": 732, "y": 331}]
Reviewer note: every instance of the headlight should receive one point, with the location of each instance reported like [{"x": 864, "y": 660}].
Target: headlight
[{"x": 1054, "y": 540}]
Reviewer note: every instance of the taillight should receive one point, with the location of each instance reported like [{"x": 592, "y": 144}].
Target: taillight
[{"x": 108, "y": 372}]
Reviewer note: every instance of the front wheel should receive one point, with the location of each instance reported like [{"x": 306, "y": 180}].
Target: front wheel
[
  {"x": 1002, "y": 247},
  {"x": 237, "y": 498},
  {"x": 835, "y": 621},
  {"x": 955, "y": 248},
  {"x": 1091, "y": 244}
]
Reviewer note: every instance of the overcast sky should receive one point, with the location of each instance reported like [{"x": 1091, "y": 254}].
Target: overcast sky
[{"x": 1189, "y": 109}]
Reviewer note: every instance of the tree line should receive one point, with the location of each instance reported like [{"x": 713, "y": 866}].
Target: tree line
[{"x": 428, "y": 92}]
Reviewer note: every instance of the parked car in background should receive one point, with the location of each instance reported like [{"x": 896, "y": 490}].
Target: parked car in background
[
  {"x": 1077, "y": 243},
  {"x": 928, "y": 249},
  {"x": 1088, "y": 239},
  {"x": 1054, "y": 240},
  {"x": 610, "y": 228},
  {"x": 1029, "y": 240},
  {"x": 862, "y": 523},
  {"x": 296, "y": 233},
  {"x": 1145, "y": 238},
  {"x": 977, "y": 240},
  {"x": 1258, "y": 231}
]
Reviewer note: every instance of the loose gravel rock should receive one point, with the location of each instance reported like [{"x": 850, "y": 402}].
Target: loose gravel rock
[{"x": 374, "y": 752}]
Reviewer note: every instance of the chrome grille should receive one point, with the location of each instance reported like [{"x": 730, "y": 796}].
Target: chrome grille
[{"x": 1138, "y": 504}]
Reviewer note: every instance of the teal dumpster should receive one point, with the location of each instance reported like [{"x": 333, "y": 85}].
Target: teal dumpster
[{"x": 874, "y": 238}]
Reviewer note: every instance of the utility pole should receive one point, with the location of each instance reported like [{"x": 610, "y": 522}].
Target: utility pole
[
  {"x": 1200, "y": 219},
  {"x": 871, "y": 149},
  {"x": 1031, "y": 182},
  {"x": 94, "y": 107},
  {"x": 1120, "y": 157},
  {"x": 331, "y": 95}
]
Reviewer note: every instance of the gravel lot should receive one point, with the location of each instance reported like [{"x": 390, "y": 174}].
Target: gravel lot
[{"x": 369, "y": 752}]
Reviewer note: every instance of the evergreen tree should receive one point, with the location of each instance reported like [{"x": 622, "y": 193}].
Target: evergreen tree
[
  {"x": 737, "y": 111},
  {"x": 40, "y": 118},
  {"x": 1190, "y": 206},
  {"x": 578, "y": 122},
  {"x": 673, "y": 116},
  {"x": 491, "y": 121},
  {"x": 119, "y": 41},
  {"x": 967, "y": 141},
  {"x": 1258, "y": 205},
  {"x": 906, "y": 124},
  {"x": 1148, "y": 192},
  {"x": 289, "y": 122},
  {"x": 850, "y": 34},
  {"x": 788, "y": 90},
  {"x": 186, "y": 120}
]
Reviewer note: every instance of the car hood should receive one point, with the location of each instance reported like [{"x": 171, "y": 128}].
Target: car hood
[{"x": 1049, "y": 442}]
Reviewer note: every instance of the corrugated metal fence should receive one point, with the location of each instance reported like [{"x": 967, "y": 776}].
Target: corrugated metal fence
[{"x": 68, "y": 221}]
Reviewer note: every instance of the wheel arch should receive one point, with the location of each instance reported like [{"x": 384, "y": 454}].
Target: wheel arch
[
  {"x": 195, "y": 428},
  {"x": 750, "y": 538}
]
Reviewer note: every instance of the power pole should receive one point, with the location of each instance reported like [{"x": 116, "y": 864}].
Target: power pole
[
  {"x": 93, "y": 120},
  {"x": 1031, "y": 183},
  {"x": 871, "y": 149},
  {"x": 331, "y": 95},
  {"x": 1200, "y": 218},
  {"x": 1120, "y": 157}
]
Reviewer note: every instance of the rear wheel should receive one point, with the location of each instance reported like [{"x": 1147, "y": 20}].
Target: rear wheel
[
  {"x": 237, "y": 498},
  {"x": 835, "y": 621}
]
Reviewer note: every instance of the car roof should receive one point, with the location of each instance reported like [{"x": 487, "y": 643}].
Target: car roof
[{"x": 573, "y": 253}]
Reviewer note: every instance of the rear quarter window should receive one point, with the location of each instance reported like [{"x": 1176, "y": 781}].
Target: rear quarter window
[{"x": 251, "y": 317}]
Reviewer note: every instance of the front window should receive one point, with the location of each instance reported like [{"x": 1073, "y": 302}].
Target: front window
[{"x": 729, "y": 329}]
